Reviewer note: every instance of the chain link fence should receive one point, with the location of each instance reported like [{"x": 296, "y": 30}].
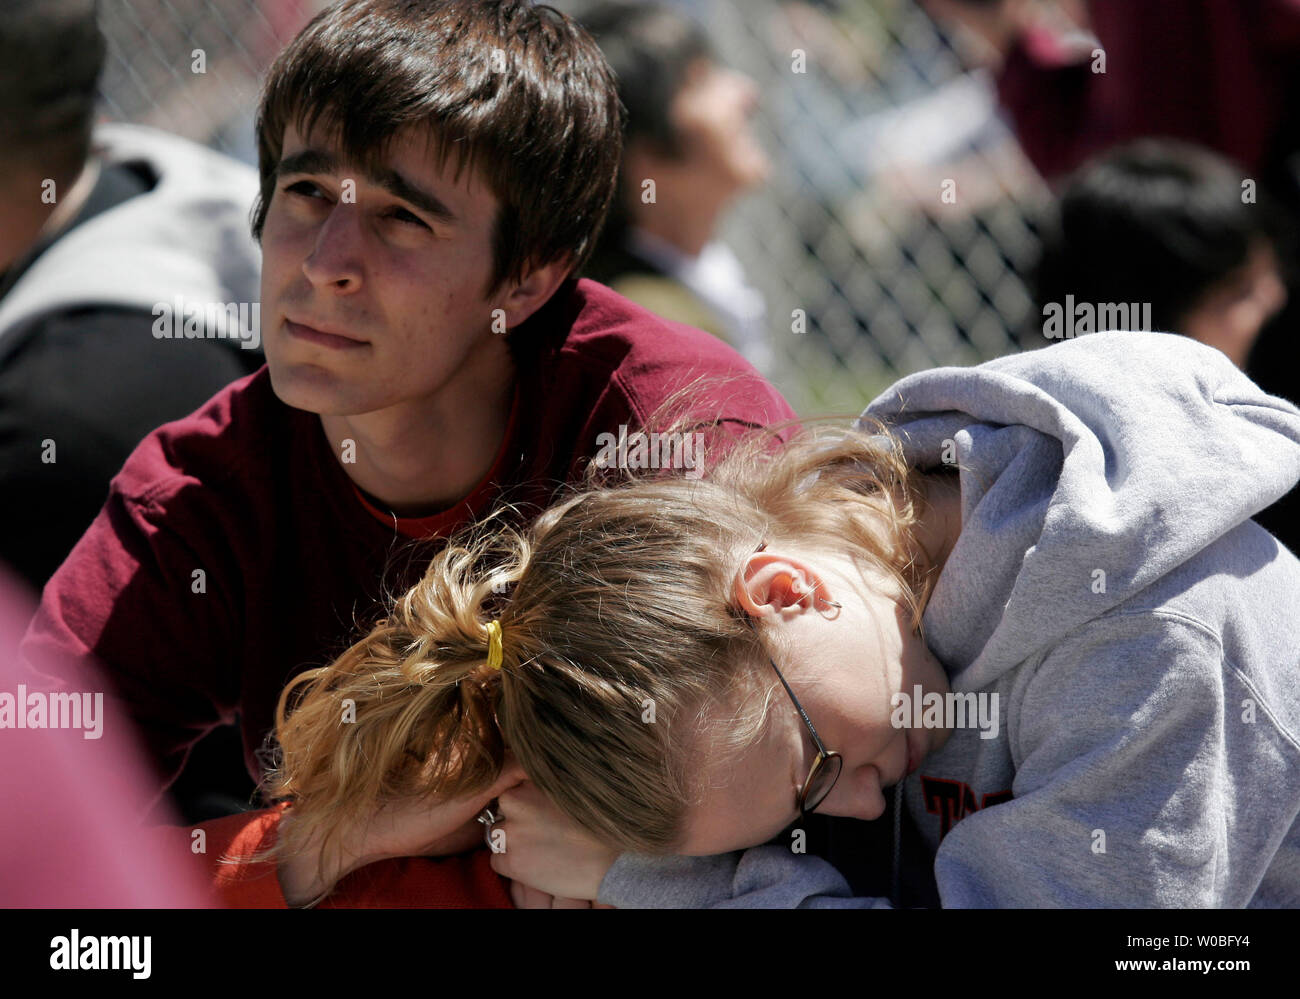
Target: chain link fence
[{"x": 892, "y": 236}]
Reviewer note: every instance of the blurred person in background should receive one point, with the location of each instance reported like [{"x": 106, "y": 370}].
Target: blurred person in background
[
  {"x": 1163, "y": 223},
  {"x": 1077, "y": 76},
  {"x": 104, "y": 232},
  {"x": 98, "y": 229},
  {"x": 688, "y": 132},
  {"x": 69, "y": 838}
]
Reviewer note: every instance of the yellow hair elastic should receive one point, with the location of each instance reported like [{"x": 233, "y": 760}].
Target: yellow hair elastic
[{"x": 494, "y": 645}]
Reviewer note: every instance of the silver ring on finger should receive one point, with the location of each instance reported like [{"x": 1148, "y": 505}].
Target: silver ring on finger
[{"x": 489, "y": 818}]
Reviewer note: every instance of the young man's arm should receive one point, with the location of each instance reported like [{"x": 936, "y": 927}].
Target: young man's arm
[{"x": 145, "y": 596}]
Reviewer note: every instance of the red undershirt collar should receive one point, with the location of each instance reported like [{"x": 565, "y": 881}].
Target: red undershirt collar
[{"x": 445, "y": 522}]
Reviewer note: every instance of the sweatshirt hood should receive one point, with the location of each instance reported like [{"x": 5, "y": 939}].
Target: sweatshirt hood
[{"x": 1089, "y": 470}]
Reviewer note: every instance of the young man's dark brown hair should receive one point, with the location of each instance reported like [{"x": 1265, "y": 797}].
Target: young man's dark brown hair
[{"x": 482, "y": 77}]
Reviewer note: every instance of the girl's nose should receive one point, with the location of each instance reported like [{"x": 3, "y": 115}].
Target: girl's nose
[{"x": 856, "y": 795}]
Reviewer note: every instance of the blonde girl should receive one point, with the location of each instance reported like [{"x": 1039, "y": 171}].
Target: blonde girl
[{"x": 1026, "y": 595}]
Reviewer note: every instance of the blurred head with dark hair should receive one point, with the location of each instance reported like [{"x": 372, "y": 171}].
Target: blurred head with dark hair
[
  {"x": 51, "y": 55},
  {"x": 652, "y": 50},
  {"x": 688, "y": 123},
  {"x": 1173, "y": 225}
]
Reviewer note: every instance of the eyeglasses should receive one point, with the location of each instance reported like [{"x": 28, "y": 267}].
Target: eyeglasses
[{"x": 825, "y": 769}]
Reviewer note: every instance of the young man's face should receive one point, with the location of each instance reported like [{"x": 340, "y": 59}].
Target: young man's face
[{"x": 372, "y": 291}]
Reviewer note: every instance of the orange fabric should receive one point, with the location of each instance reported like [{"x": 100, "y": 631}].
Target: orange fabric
[{"x": 466, "y": 881}]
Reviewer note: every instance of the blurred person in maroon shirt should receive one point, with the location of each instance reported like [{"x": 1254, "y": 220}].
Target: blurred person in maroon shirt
[
  {"x": 1219, "y": 73},
  {"x": 1077, "y": 77}
]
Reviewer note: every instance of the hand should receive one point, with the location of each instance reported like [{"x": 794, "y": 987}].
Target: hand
[
  {"x": 526, "y": 897},
  {"x": 415, "y": 828},
  {"x": 429, "y": 828},
  {"x": 546, "y": 850}
]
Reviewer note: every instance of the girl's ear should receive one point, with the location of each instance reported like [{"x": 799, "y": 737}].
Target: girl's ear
[{"x": 770, "y": 583}]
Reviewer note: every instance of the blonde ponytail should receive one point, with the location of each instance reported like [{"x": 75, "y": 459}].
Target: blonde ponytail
[
  {"x": 407, "y": 711},
  {"x": 621, "y": 643}
]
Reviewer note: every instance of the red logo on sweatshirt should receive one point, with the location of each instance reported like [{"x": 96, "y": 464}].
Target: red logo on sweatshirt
[{"x": 953, "y": 800}]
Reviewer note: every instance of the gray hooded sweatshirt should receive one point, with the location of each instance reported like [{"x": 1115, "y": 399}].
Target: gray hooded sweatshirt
[
  {"x": 184, "y": 244},
  {"x": 1141, "y": 633}
]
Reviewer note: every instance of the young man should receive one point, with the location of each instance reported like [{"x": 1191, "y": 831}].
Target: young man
[{"x": 432, "y": 174}]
